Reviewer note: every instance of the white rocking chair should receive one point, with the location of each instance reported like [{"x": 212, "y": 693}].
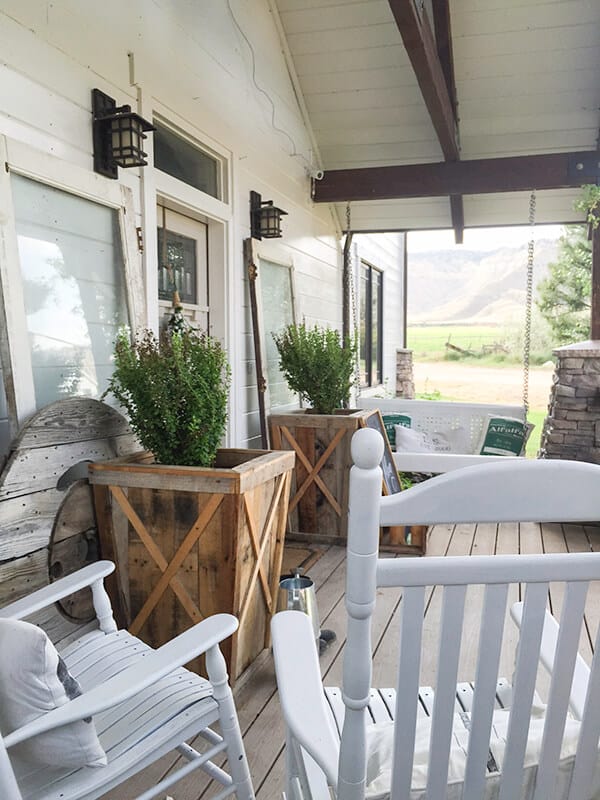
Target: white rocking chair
[
  {"x": 144, "y": 704},
  {"x": 468, "y": 747}
]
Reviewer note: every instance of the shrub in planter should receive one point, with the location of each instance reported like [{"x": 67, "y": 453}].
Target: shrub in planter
[
  {"x": 318, "y": 365},
  {"x": 191, "y": 528},
  {"x": 174, "y": 390}
]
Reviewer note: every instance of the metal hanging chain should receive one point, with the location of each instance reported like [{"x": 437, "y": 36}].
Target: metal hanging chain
[
  {"x": 353, "y": 299},
  {"x": 528, "y": 304}
]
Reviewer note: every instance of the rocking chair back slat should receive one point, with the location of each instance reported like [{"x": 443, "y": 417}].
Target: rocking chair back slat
[
  {"x": 524, "y": 680},
  {"x": 558, "y": 700},
  {"x": 445, "y": 697},
  {"x": 587, "y": 745},
  {"x": 408, "y": 675},
  {"x": 484, "y": 696}
]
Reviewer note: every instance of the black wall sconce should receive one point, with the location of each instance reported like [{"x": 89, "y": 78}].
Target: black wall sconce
[
  {"x": 265, "y": 218},
  {"x": 118, "y": 134}
]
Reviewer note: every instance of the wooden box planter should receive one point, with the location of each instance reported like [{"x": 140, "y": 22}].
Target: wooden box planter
[
  {"x": 189, "y": 542},
  {"x": 318, "y": 509}
]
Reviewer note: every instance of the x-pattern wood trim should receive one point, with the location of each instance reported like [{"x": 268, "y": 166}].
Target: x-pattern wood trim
[
  {"x": 169, "y": 569},
  {"x": 313, "y": 471},
  {"x": 259, "y": 545}
]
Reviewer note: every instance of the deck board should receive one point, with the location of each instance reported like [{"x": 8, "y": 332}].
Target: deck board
[{"x": 256, "y": 696}]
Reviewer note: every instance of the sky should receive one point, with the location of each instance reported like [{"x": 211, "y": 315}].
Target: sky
[{"x": 479, "y": 238}]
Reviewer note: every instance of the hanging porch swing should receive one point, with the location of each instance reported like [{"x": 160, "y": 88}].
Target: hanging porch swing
[{"x": 434, "y": 436}]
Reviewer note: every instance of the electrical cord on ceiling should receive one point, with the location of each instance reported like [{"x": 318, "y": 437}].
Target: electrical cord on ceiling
[{"x": 294, "y": 153}]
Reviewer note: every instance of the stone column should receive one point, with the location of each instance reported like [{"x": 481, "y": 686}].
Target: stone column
[
  {"x": 572, "y": 427},
  {"x": 405, "y": 385}
]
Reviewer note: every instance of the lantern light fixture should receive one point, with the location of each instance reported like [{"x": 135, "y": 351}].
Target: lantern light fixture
[
  {"x": 265, "y": 218},
  {"x": 118, "y": 134}
]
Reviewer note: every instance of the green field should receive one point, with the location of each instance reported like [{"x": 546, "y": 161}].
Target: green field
[
  {"x": 536, "y": 416},
  {"x": 429, "y": 342}
]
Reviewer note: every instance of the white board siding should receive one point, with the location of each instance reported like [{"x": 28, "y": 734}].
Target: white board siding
[
  {"x": 385, "y": 252},
  {"x": 201, "y": 78}
]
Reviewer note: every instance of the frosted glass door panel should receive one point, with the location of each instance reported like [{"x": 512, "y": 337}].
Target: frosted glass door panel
[
  {"x": 73, "y": 288},
  {"x": 278, "y": 312}
]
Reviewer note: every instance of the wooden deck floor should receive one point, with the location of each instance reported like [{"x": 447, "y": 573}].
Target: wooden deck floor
[{"x": 256, "y": 696}]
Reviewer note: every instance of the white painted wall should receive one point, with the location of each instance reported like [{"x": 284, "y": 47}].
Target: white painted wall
[{"x": 222, "y": 80}]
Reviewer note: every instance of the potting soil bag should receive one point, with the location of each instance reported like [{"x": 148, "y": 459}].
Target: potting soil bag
[{"x": 503, "y": 436}]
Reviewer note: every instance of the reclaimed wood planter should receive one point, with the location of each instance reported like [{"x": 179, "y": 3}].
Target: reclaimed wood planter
[
  {"x": 318, "y": 509},
  {"x": 189, "y": 542}
]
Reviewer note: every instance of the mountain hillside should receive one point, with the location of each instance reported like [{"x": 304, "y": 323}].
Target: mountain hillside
[{"x": 467, "y": 287}]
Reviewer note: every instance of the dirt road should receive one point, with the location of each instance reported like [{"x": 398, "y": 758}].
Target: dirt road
[{"x": 483, "y": 384}]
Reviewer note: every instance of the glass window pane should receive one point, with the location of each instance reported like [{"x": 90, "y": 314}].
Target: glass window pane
[
  {"x": 73, "y": 287},
  {"x": 179, "y": 255},
  {"x": 377, "y": 325},
  {"x": 278, "y": 312},
  {"x": 179, "y": 158},
  {"x": 363, "y": 327}
]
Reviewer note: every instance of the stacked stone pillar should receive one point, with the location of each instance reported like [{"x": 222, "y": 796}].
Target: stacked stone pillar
[
  {"x": 572, "y": 427},
  {"x": 405, "y": 384}
]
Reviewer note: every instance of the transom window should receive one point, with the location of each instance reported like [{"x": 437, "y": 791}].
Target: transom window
[
  {"x": 188, "y": 163},
  {"x": 371, "y": 325}
]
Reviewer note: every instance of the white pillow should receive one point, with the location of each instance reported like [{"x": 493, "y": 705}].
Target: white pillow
[
  {"x": 380, "y": 750},
  {"x": 33, "y": 681},
  {"x": 412, "y": 441}
]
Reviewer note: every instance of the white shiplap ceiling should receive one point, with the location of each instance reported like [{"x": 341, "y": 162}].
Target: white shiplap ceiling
[{"x": 527, "y": 76}]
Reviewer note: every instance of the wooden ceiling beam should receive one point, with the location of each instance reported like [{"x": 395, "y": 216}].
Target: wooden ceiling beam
[
  {"x": 480, "y": 176},
  {"x": 421, "y": 48},
  {"x": 432, "y": 62}
]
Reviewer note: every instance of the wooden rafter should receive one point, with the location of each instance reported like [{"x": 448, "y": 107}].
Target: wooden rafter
[
  {"x": 480, "y": 176},
  {"x": 420, "y": 45},
  {"x": 431, "y": 59},
  {"x": 443, "y": 38}
]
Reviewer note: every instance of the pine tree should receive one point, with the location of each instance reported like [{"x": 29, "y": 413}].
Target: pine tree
[{"x": 565, "y": 295}]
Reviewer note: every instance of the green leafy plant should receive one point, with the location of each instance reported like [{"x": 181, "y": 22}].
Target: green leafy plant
[
  {"x": 317, "y": 365},
  {"x": 589, "y": 203},
  {"x": 174, "y": 390},
  {"x": 564, "y": 296}
]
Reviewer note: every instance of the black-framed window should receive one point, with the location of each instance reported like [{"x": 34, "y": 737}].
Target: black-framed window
[
  {"x": 371, "y": 325},
  {"x": 177, "y": 157}
]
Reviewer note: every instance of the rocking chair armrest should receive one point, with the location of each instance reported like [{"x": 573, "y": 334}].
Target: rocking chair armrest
[
  {"x": 301, "y": 694},
  {"x": 581, "y": 673},
  {"x": 151, "y": 667},
  {"x": 47, "y": 595}
]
